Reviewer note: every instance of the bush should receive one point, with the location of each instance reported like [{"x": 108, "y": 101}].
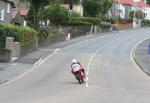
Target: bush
[
  {"x": 74, "y": 14},
  {"x": 24, "y": 35},
  {"x": 55, "y": 14},
  {"x": 94, "y": 21},
  {"x": 47, "y": 32},
  {"x": 105, "y": 25},
  {"x": 77, "y": 23},
  {"x": 146, "y": 22}
]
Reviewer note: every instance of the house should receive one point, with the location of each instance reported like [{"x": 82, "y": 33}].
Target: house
[
  {"x": 6, "y": 7},
  {"x": 144, "y": 7},
  {"x": 75, "y": 7},
  {"x": 20, "y": 12},
  {"x": 121, "y": 9}
]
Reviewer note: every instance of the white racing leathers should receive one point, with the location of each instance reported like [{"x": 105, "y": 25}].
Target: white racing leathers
[{"x": 76, "y": 67}]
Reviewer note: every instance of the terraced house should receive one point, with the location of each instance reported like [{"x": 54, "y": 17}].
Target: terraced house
[{"x": 6, "y": 7}]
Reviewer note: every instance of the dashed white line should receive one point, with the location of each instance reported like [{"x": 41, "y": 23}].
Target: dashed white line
[{"x": 92, "y": 57}]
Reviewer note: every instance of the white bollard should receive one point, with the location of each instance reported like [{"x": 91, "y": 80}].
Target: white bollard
[{"x": 68, "y": 36}]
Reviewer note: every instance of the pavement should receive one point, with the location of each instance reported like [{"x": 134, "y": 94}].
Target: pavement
[
  {"x": 142, "y": 56},
  {"x": 9, "y": 71}
]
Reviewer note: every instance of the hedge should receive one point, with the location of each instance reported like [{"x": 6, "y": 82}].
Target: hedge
[
  {"x": 24, "y": 35},
  {"x": 146, "y": 22},
  {"x": 94, "y": 21},
  {"x": 77, "y": 23},
  {"x": 46, "y": 32},
  {"x": 105, "y": 25}
]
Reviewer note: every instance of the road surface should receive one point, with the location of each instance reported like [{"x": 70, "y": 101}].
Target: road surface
[{"x": 111, "y": 75}]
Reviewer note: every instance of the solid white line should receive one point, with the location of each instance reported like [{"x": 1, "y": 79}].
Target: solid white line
[
  {"x": 132, "y": 55},
  {"x": 36, "y": 63},
  {"x": 27, "y": 72}
]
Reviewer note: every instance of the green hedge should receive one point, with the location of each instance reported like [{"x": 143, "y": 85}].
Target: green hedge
[
  {"x": 146, "y": 22},
  {"x": 77, "y": 23},
  {"x": 44, "y": 32},
  {"x": 94, "y": 21},
  {"x": 105, "y": 25},
  {"x": 24, "y": 35}
]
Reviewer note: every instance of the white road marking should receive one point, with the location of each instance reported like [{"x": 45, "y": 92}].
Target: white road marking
[
  {"x": 27, "y": 72},
  {"x": 132, "y": 56},
  {"x": 36, "y": 63},
  {"x": 94, "y": 54}
]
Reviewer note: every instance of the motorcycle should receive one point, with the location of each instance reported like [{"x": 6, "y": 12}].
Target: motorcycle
[{"x": 80, "y": 76}]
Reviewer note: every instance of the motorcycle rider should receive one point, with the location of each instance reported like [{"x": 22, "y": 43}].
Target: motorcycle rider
[
  {"x": 76, "y": 67},
  {"x": 74, "y": 62}
]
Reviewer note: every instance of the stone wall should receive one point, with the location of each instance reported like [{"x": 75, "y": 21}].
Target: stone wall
[
  {"x": 27, "y": 49},
  {"x": 5, "y": 55}
]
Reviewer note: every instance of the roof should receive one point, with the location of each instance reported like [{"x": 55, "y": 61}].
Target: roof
[
  {"x": 131, "y": 2},
  {"x": 65, "y": 5},
  {"x": 11, "y": 3},
  {"x": 21, "y": 11},
  {"x": 142, "y": 4},
  {"x": 126, "y": 2}
]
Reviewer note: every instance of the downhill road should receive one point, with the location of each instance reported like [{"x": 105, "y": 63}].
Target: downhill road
[{"x": 112, "y": 76}]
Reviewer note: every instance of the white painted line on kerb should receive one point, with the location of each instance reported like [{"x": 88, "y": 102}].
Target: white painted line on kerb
[
  {"x": 36, "y": 63},
  {"x": 28, "y": 71},
  {"x": 132, "y": 55},
  {"x": 92, "y": 57}
]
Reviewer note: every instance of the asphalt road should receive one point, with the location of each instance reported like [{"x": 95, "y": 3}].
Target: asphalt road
[{"x": 111, "y": 75}]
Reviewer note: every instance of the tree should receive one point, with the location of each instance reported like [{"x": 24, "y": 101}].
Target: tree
[
  {"x": 70, "y": 1},
  {"x": 55, "y": 14},
  {"x": 93, "y": 8},
  {"x": 148, "y": 1},
  {"x": 36, "y": 7}
]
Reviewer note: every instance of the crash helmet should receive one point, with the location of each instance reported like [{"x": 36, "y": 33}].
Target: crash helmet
[{"x": 74, "y": 61}]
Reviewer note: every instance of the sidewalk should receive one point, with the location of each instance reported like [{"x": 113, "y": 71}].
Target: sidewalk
[
  {"x": 142, "y": 56},
  {"x": 9, "y": 71}
]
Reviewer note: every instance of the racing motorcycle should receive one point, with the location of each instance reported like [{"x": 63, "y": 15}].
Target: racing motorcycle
[{"x": 80, "y": 76}]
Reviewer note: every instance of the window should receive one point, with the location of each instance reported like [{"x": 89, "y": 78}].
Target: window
[
  {"x": 8, "y": 8},
  {"x": 2, "y": 15}
]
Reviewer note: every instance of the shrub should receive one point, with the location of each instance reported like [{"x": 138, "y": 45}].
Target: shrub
[
  {"x": 74, "y": 14},
  {"x": 146, "y": 22},
  {"x": 55, "y": 14},
  {"x": 77, "y": 23},
  {"x": 47, "y": 32},
  {"x": 94, "y": 21},
  {"x": 24, "y": 35},
  {"x": 105, "y": 25}
]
